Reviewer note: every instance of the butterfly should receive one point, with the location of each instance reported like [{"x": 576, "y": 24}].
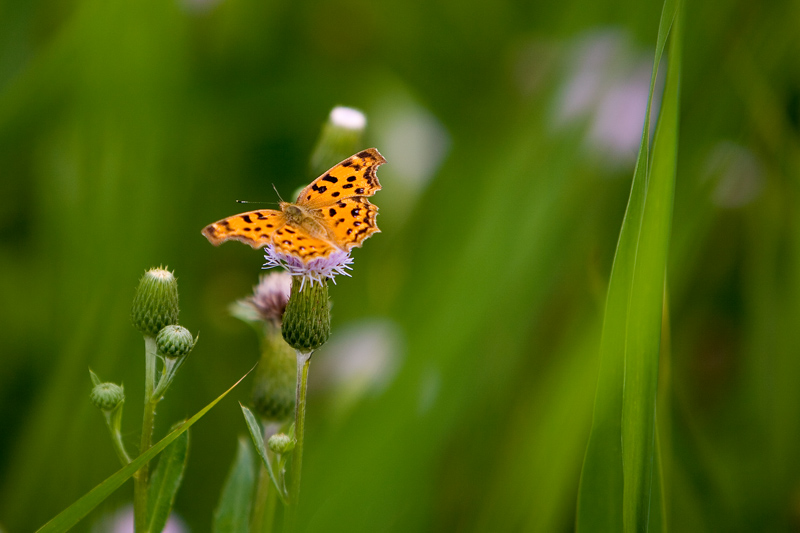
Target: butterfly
[{"x": 332, "y": 213}]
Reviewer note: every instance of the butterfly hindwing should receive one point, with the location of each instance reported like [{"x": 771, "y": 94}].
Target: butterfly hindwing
[
  {"x": 350, "y": 221},
  {"x": 254, "y": 228},
  {"x": 355, "y": 176},
  {"x": 294, "y": 241}
]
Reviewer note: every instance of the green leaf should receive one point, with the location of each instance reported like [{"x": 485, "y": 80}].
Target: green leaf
[
  {"x": 258, "y": 440},
  {"x": 618, "y": 471},
  {"x": 165, "y": 482},
  {"x": 233, "y": 512},
  {"x": 72, "y": 514}
]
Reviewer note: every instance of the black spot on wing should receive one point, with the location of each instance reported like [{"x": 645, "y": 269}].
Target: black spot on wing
[
  {"x": 246, "y": 218},
  {"x": 319, "y": 189},
  {"x": 330, "y": 178}
]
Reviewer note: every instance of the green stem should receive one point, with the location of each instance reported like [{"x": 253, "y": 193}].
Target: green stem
[
  {"x": 303, "y": 361},
  {"x": 113, "y": 420},
  {"x": 141, "y": 478}
]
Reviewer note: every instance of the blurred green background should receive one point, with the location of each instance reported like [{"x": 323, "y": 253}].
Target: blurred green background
[{"x": 456, "y": 392}]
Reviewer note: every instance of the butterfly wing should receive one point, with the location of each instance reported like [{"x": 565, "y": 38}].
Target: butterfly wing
[
  {"x": 350, "y": 221},
  {"x": 294, "y": 241},
  {"x": 355, "y": 176},
  {"x": 255, "y": 228}
]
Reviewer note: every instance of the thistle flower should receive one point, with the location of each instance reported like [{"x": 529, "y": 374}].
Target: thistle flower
[
  {"x": 273, "y": 394},
  {"x": 340, "y": 137},
  {"x": 315, "y": 271},
  {"x": 155, "y": 304},
  {"x": 268, "y": 301}
]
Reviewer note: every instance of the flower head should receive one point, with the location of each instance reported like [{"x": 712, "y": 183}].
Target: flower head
[
  {"x": 107, "y": 396},
  {"x": 315, "y": 271}
]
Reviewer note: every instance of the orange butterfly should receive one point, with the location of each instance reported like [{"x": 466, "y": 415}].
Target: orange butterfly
[{"x": 332, "y": 213}]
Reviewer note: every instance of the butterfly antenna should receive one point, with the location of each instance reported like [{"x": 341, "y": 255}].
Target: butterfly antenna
[
  {"x": 276, "y": 192},
  {"x": 249, "y": 202}
]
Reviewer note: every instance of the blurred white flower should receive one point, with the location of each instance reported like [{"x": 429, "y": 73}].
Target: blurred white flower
[
  {"x": 359, "y": 359},
  {"x": 198, "y": 6},
  {"x": 737, "y": 172},
  {"x": 121, "y": 521},
  {"x": 348, "y": 118},
  {"x": 606, "y": 87}
]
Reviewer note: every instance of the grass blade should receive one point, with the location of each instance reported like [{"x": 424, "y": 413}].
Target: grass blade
[
  {"x": 165, "y": 482},
  {"x": 72, "y": 514},
  {"x": 233, "y": 512},
  {"x": 617, "y": 476}
]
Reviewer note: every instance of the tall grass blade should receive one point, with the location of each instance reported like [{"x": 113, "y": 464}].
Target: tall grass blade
[{"x": 617, "y": 477}]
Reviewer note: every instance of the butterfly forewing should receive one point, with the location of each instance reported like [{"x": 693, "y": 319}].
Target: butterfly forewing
[
  {"x": 355, "y": 176},
  {"x": 254, "y": 228}
]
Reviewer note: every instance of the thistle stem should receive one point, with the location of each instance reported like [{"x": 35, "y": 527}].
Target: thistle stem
[
  {"x": 303, "y": 362},
  {"x": 141, "y": 477}
]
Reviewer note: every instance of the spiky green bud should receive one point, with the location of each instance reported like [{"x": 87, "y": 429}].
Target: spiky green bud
[
  {"x": 174, "y": 341},
  {"x": 107, "y": 396},
  {"x": 155, "y": 304},
  {"x": 273, "y": 395},
  {"x": 307, "y": 320},
  {"x": 281, "y": 443}
]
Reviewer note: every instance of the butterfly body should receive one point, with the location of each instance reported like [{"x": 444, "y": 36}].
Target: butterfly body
[
  {"x": 305, "y": 219},
  {"x": 331, "y": 213}
]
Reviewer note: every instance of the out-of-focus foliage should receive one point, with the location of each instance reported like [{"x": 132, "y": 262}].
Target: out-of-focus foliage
[{"x": 457, "y": 388}]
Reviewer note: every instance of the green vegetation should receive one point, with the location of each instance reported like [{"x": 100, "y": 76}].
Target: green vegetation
[{"x": 458, "y": 389}]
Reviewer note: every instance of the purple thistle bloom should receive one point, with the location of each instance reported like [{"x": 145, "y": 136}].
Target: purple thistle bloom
[{"x": 316, "y": 270}]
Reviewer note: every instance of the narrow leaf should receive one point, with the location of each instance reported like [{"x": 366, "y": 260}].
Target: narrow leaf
[
  {"x": 72, "y": 514},
  {"x": 233, "y": 512},
  {"x": 165, "y": 482},
  {"x": 258, "y": 440}
]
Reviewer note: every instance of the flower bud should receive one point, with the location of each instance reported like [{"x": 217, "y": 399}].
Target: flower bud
[
  {"x": 307, "y": 320},
  {"x": 155, "y": 304},
  {"x": 174, "y": 341},
  {"x": 340, "y": 137},
  {"x": 280, "y": 443},
  {"x": 107, "y": 396}
]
